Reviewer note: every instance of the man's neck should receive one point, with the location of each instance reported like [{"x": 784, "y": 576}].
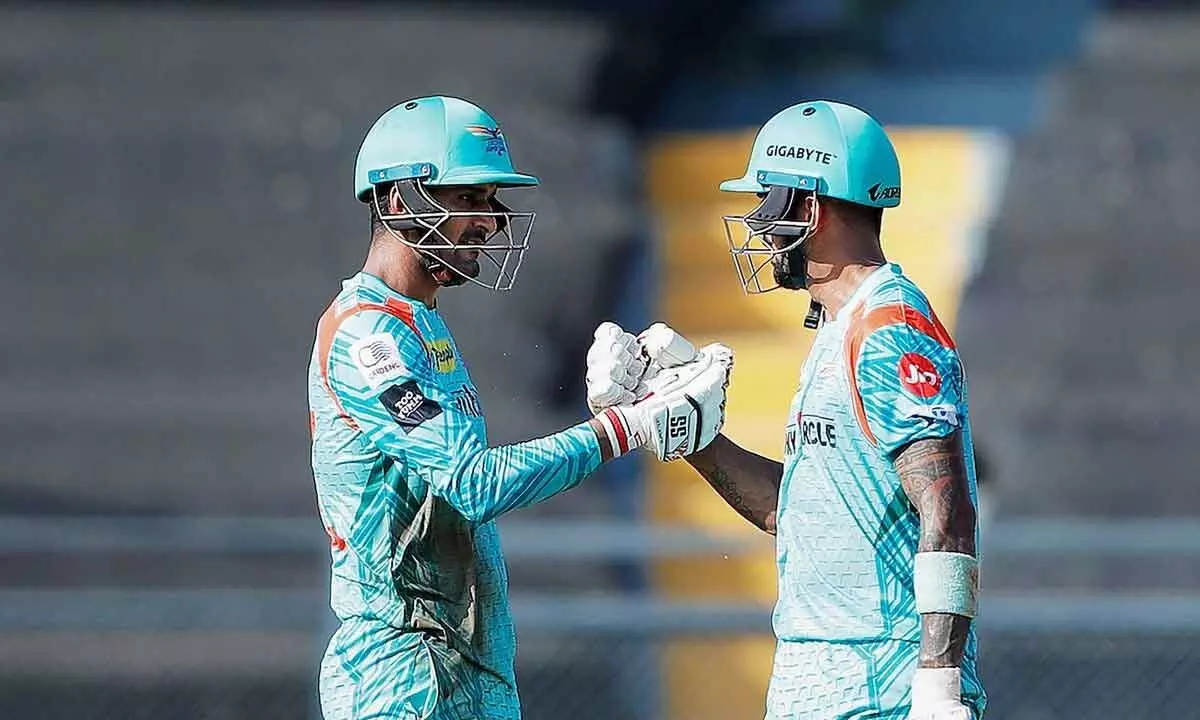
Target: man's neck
[
  {"x": 399, "y": 269},
  {"x": 839, "y": 283}
]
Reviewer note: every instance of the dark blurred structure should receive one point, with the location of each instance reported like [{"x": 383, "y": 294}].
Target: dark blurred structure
[
  {"x": 1084, "y": 352},
  {"x": 180, "y": 215},
  {"x": 177, "y": 212}
]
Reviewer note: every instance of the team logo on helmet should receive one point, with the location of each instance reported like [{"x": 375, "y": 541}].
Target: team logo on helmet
[{"x": 494, "y": 137}]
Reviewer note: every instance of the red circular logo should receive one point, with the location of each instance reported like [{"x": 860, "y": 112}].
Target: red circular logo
[{"x": 919, "y": 376}]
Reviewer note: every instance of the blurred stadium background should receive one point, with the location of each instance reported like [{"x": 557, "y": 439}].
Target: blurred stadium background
[{"x": 176, "y": 212}]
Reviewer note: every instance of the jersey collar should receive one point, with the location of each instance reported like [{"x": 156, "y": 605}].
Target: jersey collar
[
  {"x": 367, "y": 280},
  {"x": 866, "y": 287}
]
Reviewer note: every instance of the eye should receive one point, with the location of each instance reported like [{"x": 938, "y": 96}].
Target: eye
[{"x": 466, "y": 197}]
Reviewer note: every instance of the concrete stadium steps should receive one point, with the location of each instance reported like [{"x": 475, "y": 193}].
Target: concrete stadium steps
[
  {"x": 183, "y": 217},
  {"x": 1142, "y": 97},
  {"x": 179, "y": 218},
  {"x": 1100, "y": 175},
  {"x": 1080, "y": 329}
]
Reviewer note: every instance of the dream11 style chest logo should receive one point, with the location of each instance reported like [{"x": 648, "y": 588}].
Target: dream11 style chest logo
[
  {"x": 442, "y": 355},
  {"x": 493, "y": 137}
]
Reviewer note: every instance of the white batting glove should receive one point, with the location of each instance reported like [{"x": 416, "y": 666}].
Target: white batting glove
[
  {"x": 615, "y": 366},
  {"x": 936, "y": 695},
  {"x": 682, "y": 408},
  {"x": 664, "y": 347}
]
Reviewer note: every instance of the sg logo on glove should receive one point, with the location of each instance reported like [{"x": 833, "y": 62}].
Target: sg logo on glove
[
  {"x": 664, "y": 391},
  {"x": 679, "y": 427}
]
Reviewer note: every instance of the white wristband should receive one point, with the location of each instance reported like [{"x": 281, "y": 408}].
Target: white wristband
[
  {"x": 933, "y": 686},
  {"x": 624, "y": 428},
  {"x": 946, "y": 582}
]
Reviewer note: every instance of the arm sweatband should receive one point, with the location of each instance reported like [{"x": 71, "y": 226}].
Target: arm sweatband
[{"x": 946, "y": 582}]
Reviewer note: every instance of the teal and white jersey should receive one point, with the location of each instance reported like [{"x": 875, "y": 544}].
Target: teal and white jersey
[
  {"x": 881, "y": 374},
  {"x": 408, "y": 491}
]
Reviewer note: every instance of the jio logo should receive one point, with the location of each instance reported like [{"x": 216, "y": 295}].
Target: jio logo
[{"x": 919, "y": 376}]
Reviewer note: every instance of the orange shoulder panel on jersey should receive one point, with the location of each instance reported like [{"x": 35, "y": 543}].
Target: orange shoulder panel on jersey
[
  {"x": 864, "y": 322},
  {"x": 327, "y": 328}
]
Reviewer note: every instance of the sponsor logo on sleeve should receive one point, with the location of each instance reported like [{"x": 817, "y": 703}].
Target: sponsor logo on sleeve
[
  {"x": 407, "y": 406},
  {"x": 919, "y": 376},
  {"x": 377, "y": 358},
  {"x": 942, "y": 412}
]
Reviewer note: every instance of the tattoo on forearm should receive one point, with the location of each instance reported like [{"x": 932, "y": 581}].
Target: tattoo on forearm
[
  {"x": 943, "y": 640},
  {"x": 721, "y": 482},
  {"x": 934, "y": 477},
  {"x": 747, "y": 481}
]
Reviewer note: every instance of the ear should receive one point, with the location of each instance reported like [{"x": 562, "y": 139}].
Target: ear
[
  {"x": 394, "y": 205},
  {"x": 816, "y": 212}
]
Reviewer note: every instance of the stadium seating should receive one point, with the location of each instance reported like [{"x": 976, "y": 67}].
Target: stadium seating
[{"x": 1079, "y": 332}]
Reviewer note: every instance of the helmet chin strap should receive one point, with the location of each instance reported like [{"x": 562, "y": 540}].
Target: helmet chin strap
[
  {"x": 792, "y": 278},
  {"x": 789, "y": 271}
]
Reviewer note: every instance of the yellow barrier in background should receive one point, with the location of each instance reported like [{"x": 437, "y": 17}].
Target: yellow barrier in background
[{"x": 944, "y": 198}]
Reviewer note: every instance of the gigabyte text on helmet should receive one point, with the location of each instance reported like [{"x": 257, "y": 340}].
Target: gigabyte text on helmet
[{"x": 800, "y": 153}]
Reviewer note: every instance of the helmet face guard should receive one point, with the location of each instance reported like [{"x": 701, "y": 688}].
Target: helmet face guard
[
  {"x": 763, "y": 239},
  {"x": 419, "y": 227}
]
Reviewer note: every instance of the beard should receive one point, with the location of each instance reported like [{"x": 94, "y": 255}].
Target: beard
[
  {"x": 465, "y": 262},
  {"x": 788, "y": 269},
  {"x": 451, "y": 268}
]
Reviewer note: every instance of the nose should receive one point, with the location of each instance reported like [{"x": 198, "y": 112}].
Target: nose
[{"x": 488, "y": 222}]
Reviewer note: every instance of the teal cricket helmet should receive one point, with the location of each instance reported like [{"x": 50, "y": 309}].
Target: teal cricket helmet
[
  {"x": 428, "y": 142},
  {"x": 834, "y": 149},
  {"x": 805, "y": 152},
  {"x": 440, "y": 141}
]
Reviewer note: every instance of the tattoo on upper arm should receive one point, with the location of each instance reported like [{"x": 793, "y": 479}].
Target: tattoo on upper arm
[
  {"x": 934, "y": 476},
  {"x": 933, "y": 473}
]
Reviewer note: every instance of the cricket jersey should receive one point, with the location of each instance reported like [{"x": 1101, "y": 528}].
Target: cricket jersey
[
  {"x": 882, "y": 373},
  {"x": 408, "y": 491}
]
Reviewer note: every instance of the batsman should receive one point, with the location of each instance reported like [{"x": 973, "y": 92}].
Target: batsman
[
  {"x": 873, "y": 506},
  {"x": 408, "y": 487}
]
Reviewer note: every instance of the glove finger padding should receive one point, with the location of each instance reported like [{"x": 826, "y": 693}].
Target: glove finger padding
[
  {"x": 604, "y": 391},
  {"x": 687, "y": 404},
  {"x": 660, "y": 379},
  {"x": 615, "y": 366},
  {"x": 665, "y": 347}
]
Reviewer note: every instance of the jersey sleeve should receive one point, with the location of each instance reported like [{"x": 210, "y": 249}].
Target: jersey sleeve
[
  {"x": 909, "y": 386},
  {"x": 380, "y": 374}
]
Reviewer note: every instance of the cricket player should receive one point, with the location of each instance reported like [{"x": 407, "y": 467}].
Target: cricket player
[
  {"x": 407, "y": 487},
  {"x": 873, "y": 506}
]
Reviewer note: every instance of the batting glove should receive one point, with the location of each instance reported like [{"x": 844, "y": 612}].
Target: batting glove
[{"x": 936, "y": 695}]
